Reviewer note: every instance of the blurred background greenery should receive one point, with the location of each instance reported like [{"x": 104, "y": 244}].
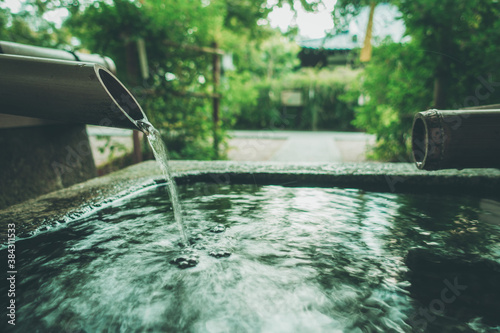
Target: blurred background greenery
[{"x": 447, "y": 60}]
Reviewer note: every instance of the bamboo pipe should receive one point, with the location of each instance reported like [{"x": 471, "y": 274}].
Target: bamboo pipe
[
  {"x": 66, "y": 91},
  {"x": 43, "y": 52},
  {"x": 456, "y": 139}
]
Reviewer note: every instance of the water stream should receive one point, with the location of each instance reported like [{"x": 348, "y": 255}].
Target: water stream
[{"x": 161, "y": 155}]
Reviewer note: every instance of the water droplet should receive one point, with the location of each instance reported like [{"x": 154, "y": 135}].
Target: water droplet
[
  {"x": 185, "y": 262},
  {"x": 217, "y": 229},
  {"x": 219, "y": 253}
]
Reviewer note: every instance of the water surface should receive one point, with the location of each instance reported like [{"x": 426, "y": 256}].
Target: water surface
[{"x": 298, "y": 260}]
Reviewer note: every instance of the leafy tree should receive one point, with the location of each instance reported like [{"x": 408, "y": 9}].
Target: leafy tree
[
  {"x": 29, "y": 27},
  {"x": 452, "y": 51},
  {"x": 4, "y": 19},
  {"x": 242, "y": 17},
  {"x": 260, "y": 105},
  {"x": 113, "y": 29},
  {"x": 176, "y": 72},
  {"x": 270, "y": 57},
  {"x": 393, "y": 91},
  {"x": 459, "y": 35}
]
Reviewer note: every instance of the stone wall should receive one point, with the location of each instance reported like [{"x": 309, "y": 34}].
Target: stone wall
[{"x": 42, "y": 159}]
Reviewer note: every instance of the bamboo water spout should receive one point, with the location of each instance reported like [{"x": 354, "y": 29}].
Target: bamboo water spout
[
  {"x": 66, "y": 91},
  {"x": 456, "y": 139}
]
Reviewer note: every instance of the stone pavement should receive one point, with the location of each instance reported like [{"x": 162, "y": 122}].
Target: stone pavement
[
  {"x": 279, "y": 146},
  {"x": 297, "y": 146}
]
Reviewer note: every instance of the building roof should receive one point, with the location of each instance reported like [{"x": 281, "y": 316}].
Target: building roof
[{"x": 343, "y": 41}]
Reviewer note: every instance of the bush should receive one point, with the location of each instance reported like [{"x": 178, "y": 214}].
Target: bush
[
  {"x": 394, "y": 91},
  {"x": 258, "y": 104},
  {"x": 185, "y": 124}
]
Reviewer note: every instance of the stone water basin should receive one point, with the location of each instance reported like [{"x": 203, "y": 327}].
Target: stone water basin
[{"x": 299, "y": 255}]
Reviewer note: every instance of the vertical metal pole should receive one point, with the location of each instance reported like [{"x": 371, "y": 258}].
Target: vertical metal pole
[{"x": 216, "y": 101}]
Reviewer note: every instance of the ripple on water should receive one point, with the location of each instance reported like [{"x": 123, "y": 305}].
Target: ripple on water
[{"x": 262, "y": 259}]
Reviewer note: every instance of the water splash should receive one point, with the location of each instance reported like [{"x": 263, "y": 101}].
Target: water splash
[
  {"x": 290, "y": 260},
  {"x": 161, "y": 155}
]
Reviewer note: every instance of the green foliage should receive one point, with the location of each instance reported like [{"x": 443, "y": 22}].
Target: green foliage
[
  {"x": 462, "y": 40},
  {"x": 271, "y": 57},
  {"x": 452, "y": 53},
  {"x": 393, "y": 91},
  {"x": 114, "y": 147},
  {"x": 175, "y": 72},
  {"x": 185, "y": 124},
  {"x": 265, "y": 70},
  {"x": 29, "y": 27},
  {"x": 242, "y": 17},
  {"x": 259, "y": 104},
  {"x": 345, "y": 10},
  {"x": 4, "y": 19}
]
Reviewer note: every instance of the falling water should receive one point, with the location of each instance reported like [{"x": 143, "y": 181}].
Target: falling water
[{"x": 160, "y": 152}]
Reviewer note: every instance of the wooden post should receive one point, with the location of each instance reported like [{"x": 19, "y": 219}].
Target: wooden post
[
  {"x": 137, "y": 147},
  {"x": 143, "y": 58},
  {"x": 216, "y": 101},
  {"x": 133, "y": 60},
  {"x": 366, "y": 51},
  {"x": 216, "y": 68}
]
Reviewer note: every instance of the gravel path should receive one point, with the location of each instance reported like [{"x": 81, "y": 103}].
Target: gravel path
[{"x": 295, "y": 146}]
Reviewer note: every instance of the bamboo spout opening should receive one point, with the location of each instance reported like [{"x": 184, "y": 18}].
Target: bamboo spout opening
[
  {"x": 121, "y": 96},
  {"x": 456, "y": 139},
  {"x": 66, "y": 91},
  {"x": 418, "y": 142}
]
